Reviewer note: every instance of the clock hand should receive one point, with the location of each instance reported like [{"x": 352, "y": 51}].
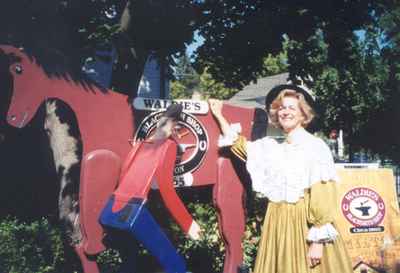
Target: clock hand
[{"x": 183, "y": 147}]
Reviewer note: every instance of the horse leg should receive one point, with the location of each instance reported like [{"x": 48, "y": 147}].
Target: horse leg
[
  {"x": 228, "y": 198},
  {"x": 99, "y": 177},
  {"x": 89, "y": 265}
]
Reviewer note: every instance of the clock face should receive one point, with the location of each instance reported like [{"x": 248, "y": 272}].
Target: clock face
[{"x": 192, "y": 141}]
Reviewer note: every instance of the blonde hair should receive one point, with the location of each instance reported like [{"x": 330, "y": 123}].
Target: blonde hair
[{"x": 305, "y": 108}]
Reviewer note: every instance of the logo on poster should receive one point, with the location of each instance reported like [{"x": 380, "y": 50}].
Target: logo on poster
[
  {"x": 192, "y": 147},
  {"x": 363, "y": 208}
]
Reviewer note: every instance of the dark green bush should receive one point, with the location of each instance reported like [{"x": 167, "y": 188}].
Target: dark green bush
[
  {"x": 30, "y": 247},
  {"x": 37, "y": 247}
]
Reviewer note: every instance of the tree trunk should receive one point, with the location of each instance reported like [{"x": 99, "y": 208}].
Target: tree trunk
[
  {"x": 128, "y": 70},
  {"x": 351, "y": 152},
  {"x": 131, "y": 59}
]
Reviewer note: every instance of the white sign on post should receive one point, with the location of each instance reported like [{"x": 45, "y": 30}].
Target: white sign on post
[{"x": 153, "y": 104}]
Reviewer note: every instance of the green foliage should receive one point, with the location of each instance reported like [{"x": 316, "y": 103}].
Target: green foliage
[
  {"x": 185, "y": 73},
  {"x": 206, "y": 254},
  {"x": 179, "y": 91},
  {"x": 388, "y": 118},
  {"x": 240, "y": 34},
  {"x": 207, "y": 87},
  {"x": 30, "y": 247},
  {"x": 109, "y": 261},
  {"x": 188, "y": 81},
  {"x": 274, "y": 64},
  {"x": 351, "y": 91},
  {"x": 210, "y": 87},
  {"x": 37, "y": 247},
  {"x": 252, "y": 234}
]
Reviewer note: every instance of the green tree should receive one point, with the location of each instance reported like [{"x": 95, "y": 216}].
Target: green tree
[
  {"x": 178, "y": 90},
  {"x": 186, "y": 74},
  {"x": 186, "y": 79},
  {"x": 351, "y": 90},
  {"x": 206, "y": 86},
  {"x": 274, "y": 64},
  {"x": 211, "y": 87},
  {"x": 76, "y": 28},
  {"x": 239, "y": 34},
  {"x": 387, "y": 118}
]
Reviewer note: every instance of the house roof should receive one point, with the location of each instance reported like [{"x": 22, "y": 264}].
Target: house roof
[{"x": 253, "y": 95}]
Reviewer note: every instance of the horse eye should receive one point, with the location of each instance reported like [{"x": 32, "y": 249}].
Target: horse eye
[{"x": 18, "y": 69}]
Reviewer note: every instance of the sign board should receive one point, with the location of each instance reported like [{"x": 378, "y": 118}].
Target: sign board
[
  {"x": 153, "y": 104},
  {"x": 197, "y": 136},
  {"x": 368, "y": 216}
]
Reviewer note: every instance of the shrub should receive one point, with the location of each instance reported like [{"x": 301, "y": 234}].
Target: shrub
[
  {"x": 37, "y": 247},
  {"x": 30, "y": 247}
]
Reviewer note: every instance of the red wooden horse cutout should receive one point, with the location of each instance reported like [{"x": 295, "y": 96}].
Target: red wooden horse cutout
[{"x": 106, "y": 122}]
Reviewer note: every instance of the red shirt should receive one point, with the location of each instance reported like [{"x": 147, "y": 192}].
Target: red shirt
[{"x": 152, "y": 162}]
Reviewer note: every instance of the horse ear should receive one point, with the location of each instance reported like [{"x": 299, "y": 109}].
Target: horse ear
[
  {"x": 13, "y": 58},
  {"x": 8, "y": 56}
]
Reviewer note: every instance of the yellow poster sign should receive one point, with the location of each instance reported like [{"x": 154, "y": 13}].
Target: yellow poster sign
[{"x": 369, "y": 218}]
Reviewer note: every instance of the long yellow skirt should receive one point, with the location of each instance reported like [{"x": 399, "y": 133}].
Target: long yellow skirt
[{"x": 283, "y": 247}]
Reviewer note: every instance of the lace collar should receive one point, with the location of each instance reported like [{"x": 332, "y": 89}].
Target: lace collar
[{"x": 297, "y": 136}]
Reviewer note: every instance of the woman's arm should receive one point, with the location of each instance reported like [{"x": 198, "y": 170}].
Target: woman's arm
[
  {"x": 321, "y": 212},
  {"x": 322, "y": 203},
  {"x": 216, "y": 110},
  {"x": 230, "y": 133}
]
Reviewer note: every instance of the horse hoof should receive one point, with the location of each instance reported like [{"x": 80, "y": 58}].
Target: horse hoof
[{"x": 243, "y": 269}]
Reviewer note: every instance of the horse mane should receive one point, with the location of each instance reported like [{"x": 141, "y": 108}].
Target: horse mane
[{"x": 56, "y": 63}]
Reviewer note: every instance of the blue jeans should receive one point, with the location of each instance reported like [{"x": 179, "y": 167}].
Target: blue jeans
[{"x": 135, "y": 218}]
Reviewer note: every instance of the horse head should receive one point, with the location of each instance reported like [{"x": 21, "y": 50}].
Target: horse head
[
  {"x": 27, "y": 84},
  {"x": 5, "y": 93}
]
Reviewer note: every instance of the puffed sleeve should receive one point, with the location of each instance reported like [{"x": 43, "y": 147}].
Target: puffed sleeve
[
  {"x": 322, "y": 196},
  {"x": 259, "y": 155},
  {"x": 239, "y": 148},
  {"x": 322, "y": 208},
  {"x": 236, "y": 141},
  {"x": 229, "y": 137}
]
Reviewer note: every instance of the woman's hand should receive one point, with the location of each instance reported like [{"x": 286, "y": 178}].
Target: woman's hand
[
  {"x": 215, "y": 107},
  {"x": 216, "y": 110},
  {"x": 315, "y": 254},
  {"x": 194, "y": 231}
]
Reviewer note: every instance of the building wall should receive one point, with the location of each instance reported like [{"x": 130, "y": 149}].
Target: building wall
[{"x": 150, "y": 84}]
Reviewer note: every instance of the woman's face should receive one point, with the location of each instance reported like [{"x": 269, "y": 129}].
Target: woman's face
[{"x": 290, "y": 116}]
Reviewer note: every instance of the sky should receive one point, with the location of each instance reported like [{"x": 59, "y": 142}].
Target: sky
[{"x": 198, "y": 41}]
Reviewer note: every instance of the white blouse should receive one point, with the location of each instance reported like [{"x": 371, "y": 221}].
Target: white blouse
[{"x": 282, "y": 171}]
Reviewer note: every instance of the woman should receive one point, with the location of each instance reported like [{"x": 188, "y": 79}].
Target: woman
[{"x": 298, "y": 177}]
